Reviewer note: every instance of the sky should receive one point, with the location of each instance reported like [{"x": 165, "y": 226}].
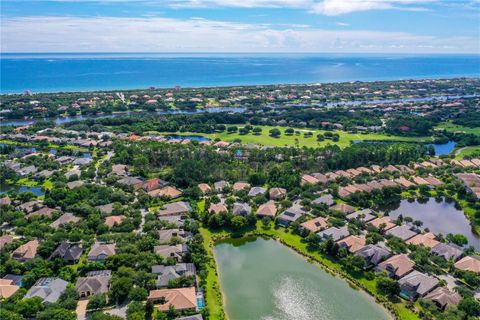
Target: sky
[{"x": 303, "y": 26}]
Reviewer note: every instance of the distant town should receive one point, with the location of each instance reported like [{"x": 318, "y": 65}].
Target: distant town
[{"x": 113, "y": 203}]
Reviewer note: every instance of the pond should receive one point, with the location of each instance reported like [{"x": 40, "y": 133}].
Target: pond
[
  {"x": 444, "y": 148},
  {"x": 439, "y": 217},
  {"x": 5, "y": 188},
  {"x": 264, "y": 280},
  {"x": 181, "y": 137}
]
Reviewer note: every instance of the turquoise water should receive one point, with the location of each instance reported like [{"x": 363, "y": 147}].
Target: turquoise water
[
  {"x": 264, "y": 280},
  {"x": 77, "y": 72}
]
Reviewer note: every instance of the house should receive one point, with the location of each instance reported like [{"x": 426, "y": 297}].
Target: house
[
  {"x": 135, "y": 183},
  {"x": 220, "y": 185},
  {"x": 166, "y": 235},
  {"x": 166, "y": 192},
  {"x": 290, "y": 215},
  {"x": 241, "y": 209},
  {"x": 82, "y": 161},
  {"x": 404, "y": 182},
  {"x": 447, "y": 251},
  {"x": 153, "y": 184},
  {"x": 443, "y": 297},
  {"x": 181, "y": 299},
  {"x": 204, "y": 188},
  {"x": 384, "y": 223},
  {"x": 308, "y": 179},
  {"x": 469, "y": 263},
  {"x": 416, "y": 284},
  {"x": 396, "y": 266},
  {"x": 175, "y": 209},
  {"x": 352, "y": 243},
  {"x": 177, "y": 251},
  {"x": 167, "y": 273},
  {"x": 95, "y": 282},
  {"x": 323, "y": 179},
  {"x": 26, "y": 252},
  {"x": 49, "y": 289},
  {"x": 75, "y": 184},
  {"x": 16, "y": 279},
  {"x": 239, "y": 186},
  {"x": 217, "y": 208},
  {"x": 30, "y": 206},
  {"x": 119, "y": 170},
  {"x": 43, "y": 212},
  {"x": 277, "y": 193},
  {"x": 63, "y": 220},
  {"x": 268, "y": 209},
  {"x": 4, "y": 240},
  {"x": 5, "y": 201},
  {"x": 315, "y": 225},
  {"x": 343, "y": 208},
  {"x": 7, "y": 288},
  {"x": 255, "y": 191},
  {"x": 101, "y": 251},
  {"x": 111, "y": 221},
  {"x": 106, "y": 209},
  {"x": 67, "y": 251},
  {"x": 373, "y": 254},
  {"x": 192, "y": 317},
  {"x": 426, "y": 240},
  {"x": 334, "y": 233},
  {"x": 326, "y": 199},
  {"x": 403, "y": 232},
  {"x": 364, "y": 215}
]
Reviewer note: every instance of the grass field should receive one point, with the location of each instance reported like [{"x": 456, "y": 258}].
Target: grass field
[
  {"x": 467, "y": 151},
  {"x": 300, "y": 140},
  {"x": 453, "y": 128}
]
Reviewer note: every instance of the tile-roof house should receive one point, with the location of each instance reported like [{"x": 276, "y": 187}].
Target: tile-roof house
[
  {"x": 111, "y": 221},
  {"x": 396, "y": 266},
  {"x": 447, "y": 251},
  {"x": 152, "y": 184},
  {"x": 192, "y": 317},
  {"x": 175, "y": 209},
  {"x": 7, "y": 288},
  {"x": 136, "y": 183},
  {"x": 5, "y": 201},
  {"x": 181, "y": 299},
  {"x": 255, "y": 191},
  {"x": 308, "y": 179},
  {"x": 106, "y": 209},
  {"x": 426, "y": 240},
  {"x": 216, "y": 208},
  {"x": 166, "y": 192},
  {"x": 67, "y": 251},
  {"x": 334, "y": 233},
  {"x": 364, "y": 215},
  {"x": 26, "y": 251},
  {"x": 49, "y": 289},
  {"x": 343, "y": 208},
  {"x": 101, "y": 251},
  {"x": 204, "y": 188},
  {"x": 63, "y": 220},
  {"x": 326, "y": 199},
  {"x": 315, "y": 225},
  {"x": 277, "y": 193},
  {"x": 403, "y": 232},
  {"x": 352, "y": 243},
  {"x": 267, "y": 209},
  {"x": 177, "y": 251},
  {"x": 384, "y": 222},
  {"x": 469, "y": 263},
  {"x": 239, "y": 186},
  {"x": 4, "y": 240},
  {"x": 443, "y": 297},
  {"x": 30, "y": 206},
  {"x": 95, "y": 282},
  {"x": 373, "y": 254},
  {"x": 241, "y": 209},
  {"x": 167, "y": 273},
  {"x": 290, "y": 215},
  {"x": 220, "y": 185},
  {"x": 416, "y": 284},
  {"x": 165, "y": 235}
]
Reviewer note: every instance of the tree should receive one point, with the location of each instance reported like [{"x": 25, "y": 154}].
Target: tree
[
  {"x": 458, "y": 239},
  {"x": 353, "y": 262},
  {"x": 470, "y": 306},
  {"x": 289, "y": 131},
  {"x": 387, "y": 286},
  {"x": 138, "y": 294},
  {"x": 257, "y": 131},
  {"x": 29, "y": 307},
  {"x": 97, "y": 301},
  {"x": 54, "y": 313},
  {"x": 238, "y": 222},
  {"x": 120, "y": 289},
  {"x": 232, "y": 129},
  {"x": 9, "y": 315},
  {"x": 275, "y": 132}
]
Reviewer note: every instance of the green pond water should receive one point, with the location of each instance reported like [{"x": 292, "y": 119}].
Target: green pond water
[{"x": 264, "y": 280}]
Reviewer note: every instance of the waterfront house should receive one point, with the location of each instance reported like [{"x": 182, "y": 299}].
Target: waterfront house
[
  {"x": 416, "y": 284},
  {"x": 314, "y": 225},
  {"x": 443, "y": 297},
  {"x": 373, "y": 254},
  {"x": 101, "y": 251},
  {"x": 95, "y": 282},
  {"x": 384, "y": 223},
  {"x": 26, "y": 252},
  {"x": 364, "y": 215},
  {"x": 403, "y": 232},
  {"x": 469, "y": 263},
  {"x": 396, "y": 266},
  {"x": 426, "y": 240},
  {"x": 290, "y": 215},
  {"x": 48, "y": 289},
  {"x": 352, "y": 243},
  {"x": 268, "y": 209},
  {"x": 447, "y": 251},
  {"x": 181, "y": 299}
]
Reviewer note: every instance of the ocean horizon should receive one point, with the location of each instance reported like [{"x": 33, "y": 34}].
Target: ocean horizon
[{"x": 66, "y": 72}]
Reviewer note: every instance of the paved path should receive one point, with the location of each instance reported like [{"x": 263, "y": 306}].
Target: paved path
[{"x": 81, "y": 310}]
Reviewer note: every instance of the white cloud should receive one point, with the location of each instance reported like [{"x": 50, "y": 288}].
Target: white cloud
[
  {"x": 339, "y": 7},
  {"x": 342, "y": 24},
  {"x": 155, "y": 34}
]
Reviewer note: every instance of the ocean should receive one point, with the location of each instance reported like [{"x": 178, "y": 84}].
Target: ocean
[{"x": 53, "y": 72}]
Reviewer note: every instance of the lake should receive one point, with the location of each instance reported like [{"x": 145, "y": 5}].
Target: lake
[
  {"x": 444, "y": 148},
  {"x": 5, "y": 188},
  {"x": 52, "y": 72},
  {"x": 439, "y": 217},
  {"x": 264, "y": 280}
]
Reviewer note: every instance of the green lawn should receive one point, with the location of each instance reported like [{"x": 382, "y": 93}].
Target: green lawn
[
  {"x": 300, "y": 140},
  {"x": 449, "y": 126},
  {"x": 467, "y": 151}
]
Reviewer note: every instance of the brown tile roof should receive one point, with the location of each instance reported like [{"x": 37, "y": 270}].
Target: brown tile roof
[
  {"x": 469, "y": 263},
  {"x": 308, "y": 179},
  {"x": 397, "y": 266},
  {"x": 427, "y": 240},
  {"x": 315, "y": 225},
  {"x": 179, "y": 298},
  {"x": 444, "y": 297},
  {"x": 204, "y": 188},
  {"x": 268, "y": 209},
  {"x": 239, "y": 186},
  {"x": 217, "y": 208},
  {"x": 6, "y": 239},
  {"x": 352, "y": 243},
  {"x": 7, "y": 288},
  {"x": 385, "y": 220},
  {"x": 26, "y": 251},
  {"x": 169, "y": 192},
  {"x": 114, "y": 220},
  {"x": 343, "y": 207}
]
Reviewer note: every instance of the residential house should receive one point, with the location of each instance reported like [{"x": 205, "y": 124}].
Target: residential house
[
  {"x": 43, "y": 212},
  {"x": 447, "y": 251},
  {"x": 204, "y": 188},
  {"x": 135, "y": 183},
  {"x": 267, "y": 209},
  {"x": 75, "y": 184},
  {"x": 177, "y": 251},
  {"x": 63, "y": 220},
  {"x": 314, "y": 225},
  {"x": 95, "y": 282},
  {"x": 241, "y": 209},
  {"x": 30, "y": 206},
  {"x": 7, "y": 288},
  {"x": 326, "y": 199},
  {"x": 469, "y": 263},
  {"x": 352, "y": 243},
  {"x": 290, "y": 215},
  {"x": 220, "y": 185},
  {"x": 426, "y": 240},
  {"x": 26, "y": 252},
  {"x": 373, "y": 254},
  {"x": 166, "y": 192},
  {"x": 334, "y": 233},
  {"x": 343, "y": 208},
  {"x": 106, "y": 209},
  {"x": 396, "y": 266},
  {"x": 5, "y": 201},
  {"x": 181, "y": 299},
  {"x": 403, "y": 232},
  {"x": 112, "y": 221},
  {"x": 239, "y": 186},
  {"x": 365, "y": 215},
  {"x": 256, "y": 191},
  {"x": 48, "y": 289},
  {"x": 165, "y": 235},
  {"x": 101, "y": 251},
  {"x": 180, "y": 208},
  {"x": 217, "y": 208},
  {"x": 167, "y": 273},
  {"x": 277, "y": 193},
  {"x": 384, "y": 223},
  {"x": 416, "y": 284},
  {"x": 443, "y": 297},
  {"x": 153, "y": 184},
  {"x": 4, "y": 240},
  {"x": 308, "y": 179},
  {"x": 67, "y": 251}
]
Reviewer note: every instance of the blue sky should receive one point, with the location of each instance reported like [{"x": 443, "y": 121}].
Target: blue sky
[{"x": 343, "y": 26}]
